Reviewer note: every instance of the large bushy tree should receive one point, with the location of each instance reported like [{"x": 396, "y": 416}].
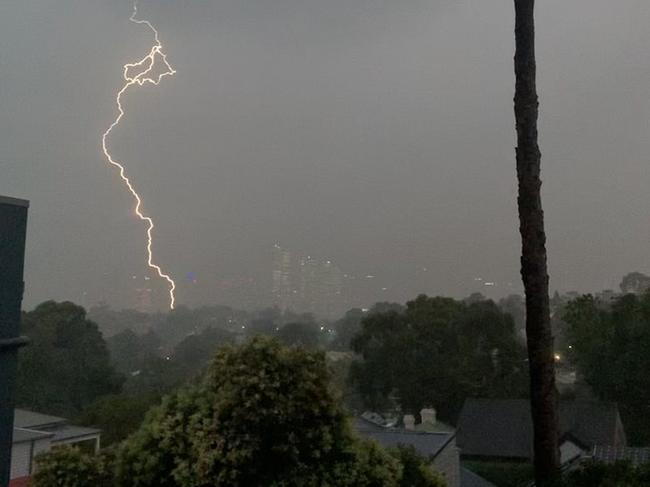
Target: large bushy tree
[
  {"x": 437, "y": 352},
  {"x": 263, "y": 414},
  {"x": 610, "y": 345},
  {"x": 66, "y": 365},
  {"x": 619, "y": 474},
  {"x": 68, "y": 466}
]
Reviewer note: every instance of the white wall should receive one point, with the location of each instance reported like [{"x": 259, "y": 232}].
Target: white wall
[
  {"x": 20, "y": 460},
  {"x": 20, "y": 456}
]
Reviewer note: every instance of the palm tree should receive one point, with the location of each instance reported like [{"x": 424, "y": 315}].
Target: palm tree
[{"x": 533, "y": 255}]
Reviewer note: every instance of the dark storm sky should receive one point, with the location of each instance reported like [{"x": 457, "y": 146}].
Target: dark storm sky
[{"x": 375, "y": 133}]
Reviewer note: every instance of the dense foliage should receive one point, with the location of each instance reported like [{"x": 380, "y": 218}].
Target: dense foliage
[
  {"x": 437, "y": 352},
  {"x": 66, "y": 365},
  {"x": 416, "y": 471},
  {"x": 610, "y": 345},
  {"x": 263, "y": 414},
  {"x": 67, "y": 466},
  {"x": 117, "y": 415},
  {"x": 300, "y": 334},
  {"x": 621, "y": 474}
]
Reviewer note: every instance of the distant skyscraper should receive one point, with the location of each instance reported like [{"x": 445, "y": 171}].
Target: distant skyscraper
[
  {"x": 281, "y": 287},
  {"x": 321, "y": 288},
  {"x": 144, "y": 302},
  {"x": 307, "y": 285}
]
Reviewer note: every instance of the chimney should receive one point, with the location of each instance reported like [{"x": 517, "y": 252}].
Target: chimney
[
  {"x": 428, "y": 416},
  {"x": 409, "y": 422}
]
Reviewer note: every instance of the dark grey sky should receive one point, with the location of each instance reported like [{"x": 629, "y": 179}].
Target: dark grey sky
[{"x": 375, "y": 133}]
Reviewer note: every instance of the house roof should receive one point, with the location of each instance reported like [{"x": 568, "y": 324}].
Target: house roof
[
  {"x": 30, "y": 419},
  {"x": 70, "y": 432},
  {"x": 503, "y": 427},
  {"x": 470, "y": 479},
  {"x": 426, "y": 443},
  {"x": 22, "y": 435},
  {"x": 610, "y": 454},
  {"x": 30, "y": 426}
]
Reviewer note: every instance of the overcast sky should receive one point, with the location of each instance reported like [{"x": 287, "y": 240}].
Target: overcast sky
[{"x": 375, "y": 133}]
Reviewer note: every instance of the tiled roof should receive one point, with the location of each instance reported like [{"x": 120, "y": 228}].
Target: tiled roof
[
  {"x": 503, "y": 427},
  {"x": 427, "y": 444},
  {"x": 610, "y": 454},
  {"x": 470, "y": 479}
]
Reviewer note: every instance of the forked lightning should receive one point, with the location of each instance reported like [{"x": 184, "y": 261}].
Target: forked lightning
[{"x": 139, "y": 74}]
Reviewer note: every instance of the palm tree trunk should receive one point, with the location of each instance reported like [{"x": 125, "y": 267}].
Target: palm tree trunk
[{"x": 533, "y": 254}]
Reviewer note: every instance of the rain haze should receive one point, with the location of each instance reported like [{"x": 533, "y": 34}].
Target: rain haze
[{"x": 372, "y": 133}]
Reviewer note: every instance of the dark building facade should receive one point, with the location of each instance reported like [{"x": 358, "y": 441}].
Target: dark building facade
[{"x": 13, "y": 227}]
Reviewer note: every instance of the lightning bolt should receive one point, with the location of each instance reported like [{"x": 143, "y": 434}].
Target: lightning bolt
[{"x": 139, "y": 74}]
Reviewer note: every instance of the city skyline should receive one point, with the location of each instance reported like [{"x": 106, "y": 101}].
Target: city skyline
[{"x": 332, "y": 129}]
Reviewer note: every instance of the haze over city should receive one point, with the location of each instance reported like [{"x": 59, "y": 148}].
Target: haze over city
[{"x": 374, "y": 134}]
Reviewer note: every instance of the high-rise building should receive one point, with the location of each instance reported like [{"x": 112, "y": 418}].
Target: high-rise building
[
  {"x": 281, "y": 286},
  {"x": 307, "y": 285},
  {"x": 321, "y": 288},
  {"x": 143, "y": 300}
]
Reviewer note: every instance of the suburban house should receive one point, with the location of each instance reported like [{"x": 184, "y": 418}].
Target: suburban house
[
  {"x": 430, "y": 438},
  {"x": 502, "y": 429},
  {"x": 35, "y": 433}
]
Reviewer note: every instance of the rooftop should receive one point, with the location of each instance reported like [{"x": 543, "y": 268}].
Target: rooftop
[
  {"x": 426, "y": 443},
  {"x": 22, "y": 435},
  {"x": 610, "y": 454},
  {"x": 470, "y": 479},
  {"x": 30, "y": 419},
  {"x": 70, "y": 432},
  {"x": 503, "y": 427}
]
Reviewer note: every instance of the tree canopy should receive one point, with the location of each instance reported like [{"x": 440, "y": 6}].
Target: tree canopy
[
  {"x": 263, "y": 414},
  {"x": 437, "y": 352},
  {"x": 66, "y": 365},
  {"x": 300, "y": 334},
  {"x": 635, "y": 283},
  {"x": 610, "y": 345}
]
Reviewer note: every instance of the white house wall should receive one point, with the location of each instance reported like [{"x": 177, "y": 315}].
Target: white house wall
[
  {"x": 20, "y": 457},
  {"x": 22, "y": 454}
]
